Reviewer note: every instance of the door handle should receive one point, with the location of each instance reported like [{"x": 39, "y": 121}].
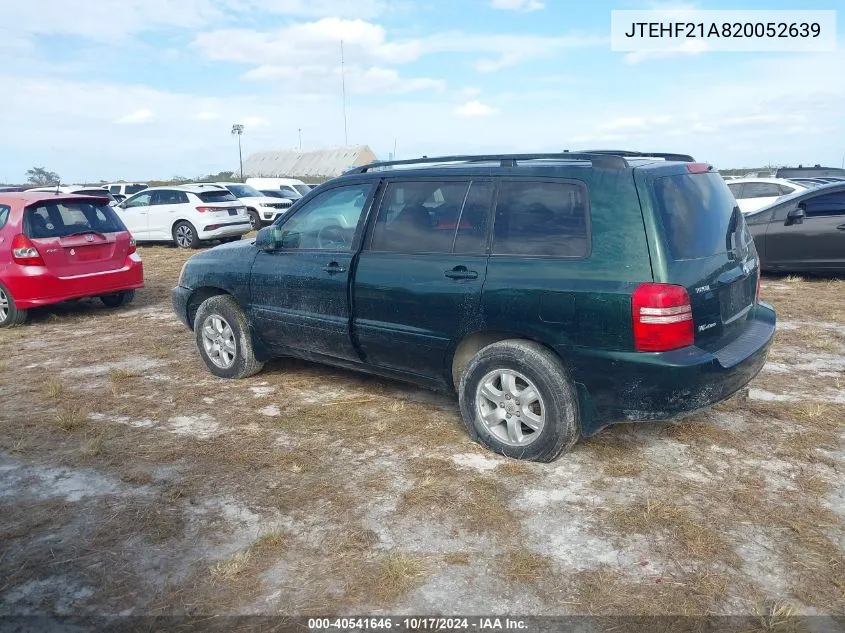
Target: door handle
[
  {"x": 461, "y": 272},
  {"x": 841, "y": 227},
  {"x": 334, "y": 268}
]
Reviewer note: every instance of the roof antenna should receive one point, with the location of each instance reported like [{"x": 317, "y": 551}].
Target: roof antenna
[{"x": 58, "y": 184}]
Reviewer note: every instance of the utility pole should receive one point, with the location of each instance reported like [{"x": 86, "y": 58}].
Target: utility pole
[
  {"x": 300, "y": 138},
  {"x": 343, "y": 88},
  {"x": 238, "y": 130}
]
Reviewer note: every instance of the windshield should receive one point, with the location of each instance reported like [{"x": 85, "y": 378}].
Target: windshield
[
  {"x": 244, "y": 191},
  {"x": 696, "y": 213},
  {"x": 302, "y": 189},
  {"x": 67, "y": 217},
  {"x": 272, "y": 193}
]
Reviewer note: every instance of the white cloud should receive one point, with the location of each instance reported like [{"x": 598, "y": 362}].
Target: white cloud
[
  {"x": 519, "y": 5},
  {"x": 138, "y": 116},
  {"x": 316, "y": 80},
  {"x": 471, "y": 91},
  {"x": 207, "y": 115},
  {"x": 689, "y": 47},
  {"x": 255, "y": 121},
  {"x": 475, "y": 108}
]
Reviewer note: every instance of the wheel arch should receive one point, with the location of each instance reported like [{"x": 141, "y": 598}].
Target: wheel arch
[{"x": 198, "y": 296}]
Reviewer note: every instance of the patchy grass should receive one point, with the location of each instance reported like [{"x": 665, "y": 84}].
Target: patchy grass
[
  {"x": 396, "y": 574},
  {"x": 54, "y": 389},
  {"x": 524, "y": 566}
]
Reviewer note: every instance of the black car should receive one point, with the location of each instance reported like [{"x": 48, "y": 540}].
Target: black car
[
  {"x": 554, "y": 293},
  {"x": 802, "y": 232}
]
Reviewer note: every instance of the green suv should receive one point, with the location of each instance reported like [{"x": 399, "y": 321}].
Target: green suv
[{"x": 555, "y": 293}]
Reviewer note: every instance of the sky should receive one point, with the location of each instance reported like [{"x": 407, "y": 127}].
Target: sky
[{"x": 149, "y": 89}]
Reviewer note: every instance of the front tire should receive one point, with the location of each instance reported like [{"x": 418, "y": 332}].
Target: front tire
[
  {"x": 516, "y": 399},
  {"x": 10, "y": 315},
  {"x": 118, "y": 299},
  {"x": 185, "y": 235},
  {"x": 223, "y": 338}
]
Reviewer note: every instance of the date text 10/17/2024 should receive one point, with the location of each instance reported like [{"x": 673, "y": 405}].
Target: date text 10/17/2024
[{"x": 417, "y": 624}]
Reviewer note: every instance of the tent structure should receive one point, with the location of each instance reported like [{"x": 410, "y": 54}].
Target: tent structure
[{"x": 329, "y": 161}]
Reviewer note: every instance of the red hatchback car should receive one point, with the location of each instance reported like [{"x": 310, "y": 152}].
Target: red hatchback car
[{"x": 55, "y": 248}]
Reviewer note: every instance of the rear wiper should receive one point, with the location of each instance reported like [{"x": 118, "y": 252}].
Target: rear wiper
[{"x": 86, "y": 233}]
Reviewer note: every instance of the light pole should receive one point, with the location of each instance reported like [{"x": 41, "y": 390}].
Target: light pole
[
  {"x": 300, "y": 139},
  {"x": 238, "y": 130}
]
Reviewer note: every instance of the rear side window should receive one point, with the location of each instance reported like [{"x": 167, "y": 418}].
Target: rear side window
[
  {"x": 695, "y": 211},
  {"x": 419, "y": 216},
  {"x": 217, "y": 195},
  {"x": 4, "y": 214},
  {"x": 133, "y": 189},
  {"x": 736, "y": 190},
  {"x": 69, "y": 218},
  {"x": 828, "y": 204},
  {"x": 760, "y": 190},
  {"x": 536, "y": 218}
]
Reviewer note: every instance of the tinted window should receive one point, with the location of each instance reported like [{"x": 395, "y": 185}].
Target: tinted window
[
  {"x": 133, "y": 189},
  {"x": 115, "y": 189},
  {"x": 328, "y": 222},
  {"x": 472, "y": 228},
  {"x": 302, "y": 189},
  {"x": 216, "y": 195},
  {"x": 760, "y": 190},
  {"x": 242, "y": 191},
  {"x": 419, "y": 216},
  {"x": 272, "y": 193},
  {"x": 785, "y": 190},
  {"x": 140, "y": 200},
  {"x": 67, "y": 218},
  {"x": 4, "y": 215},
  {"x": 169, "y": 197},
  {"x": 828, "y": 204},
  {"x": 541, "y": 218},
  {"x": 736, "y": 190},
  {"x": 695, "y": 211}
]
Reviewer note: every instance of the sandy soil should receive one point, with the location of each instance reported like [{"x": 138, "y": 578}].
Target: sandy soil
[{"x": 133, "y": 482}]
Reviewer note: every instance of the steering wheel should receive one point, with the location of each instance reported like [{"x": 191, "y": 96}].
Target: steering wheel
[{"x": 332, "y": 236}]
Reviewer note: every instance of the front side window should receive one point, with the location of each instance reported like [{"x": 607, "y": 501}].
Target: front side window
[
  {"x": 541, "y": 219},
  {"x": 70, "y": 218},
  {"x": 826, "y": 205},
  {"x": 169, "y": 197},
  {"x": 141, "y": 200},
  {"x": 419, "y": 216},
  {"x": 328, "y": 222}
]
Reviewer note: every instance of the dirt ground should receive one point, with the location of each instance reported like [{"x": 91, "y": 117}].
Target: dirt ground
[{"x": 133, "y": 482}]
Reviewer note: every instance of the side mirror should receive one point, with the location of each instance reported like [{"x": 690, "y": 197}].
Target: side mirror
[
  {"x": 796, "y": 215},
  {"x": 267, "y": 239}
]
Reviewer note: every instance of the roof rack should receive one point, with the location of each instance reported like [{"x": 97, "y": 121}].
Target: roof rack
[
  {"x": 608, "y": 159},
  {"x": 683, "y": 158},
  {"x": 505, "y": 160}
]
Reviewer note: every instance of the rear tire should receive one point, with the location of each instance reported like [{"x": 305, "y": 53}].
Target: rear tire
[
  {"x": 118, "y": 299},
  {"x": 516, "y": 399},
  {"x": 254, "y": 219},
  {"x": 185, "y": 235},
  {"x": 10, "y": 316},
  {"x": 223, "y": 338}
]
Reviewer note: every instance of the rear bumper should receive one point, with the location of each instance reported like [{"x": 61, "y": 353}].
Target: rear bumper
[
  {"x": 179, "y": 297},
  {"x": 34, "y": 286},
  {"x": 635, "y": 386},
  {"x": 224, "y": 228}
]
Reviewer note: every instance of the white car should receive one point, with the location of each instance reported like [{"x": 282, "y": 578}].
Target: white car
[
  {"x": 79, "y": 189},
  {"x": 290, "y": 187},
  {"x": 755, "y": 193},
  {"x": 261, "y": 209},
  {"x": 125, "y": 189},
  {"x": 185, "y": 214}
]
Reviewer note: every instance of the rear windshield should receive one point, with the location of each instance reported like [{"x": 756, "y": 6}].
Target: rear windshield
[
  {"x": 132, "y": 189},
  {"x": 64, "y": 218},
  {"x": 696, "y": 212},
  {"x": 217, "y": 195}
]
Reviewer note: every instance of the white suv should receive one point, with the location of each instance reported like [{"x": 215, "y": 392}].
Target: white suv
[
  {"x": 755, "y": 193},
  {"x": 186, "y": 214},
  {"x": 261, "y": 209}
]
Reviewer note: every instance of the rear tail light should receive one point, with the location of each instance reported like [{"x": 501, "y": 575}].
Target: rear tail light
[
  {"x": 206, "y": 209},
  {"x": 662, "y": 318},
  {"x": 133, "y": 245},
  {"x": 24, "y": 251}
]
